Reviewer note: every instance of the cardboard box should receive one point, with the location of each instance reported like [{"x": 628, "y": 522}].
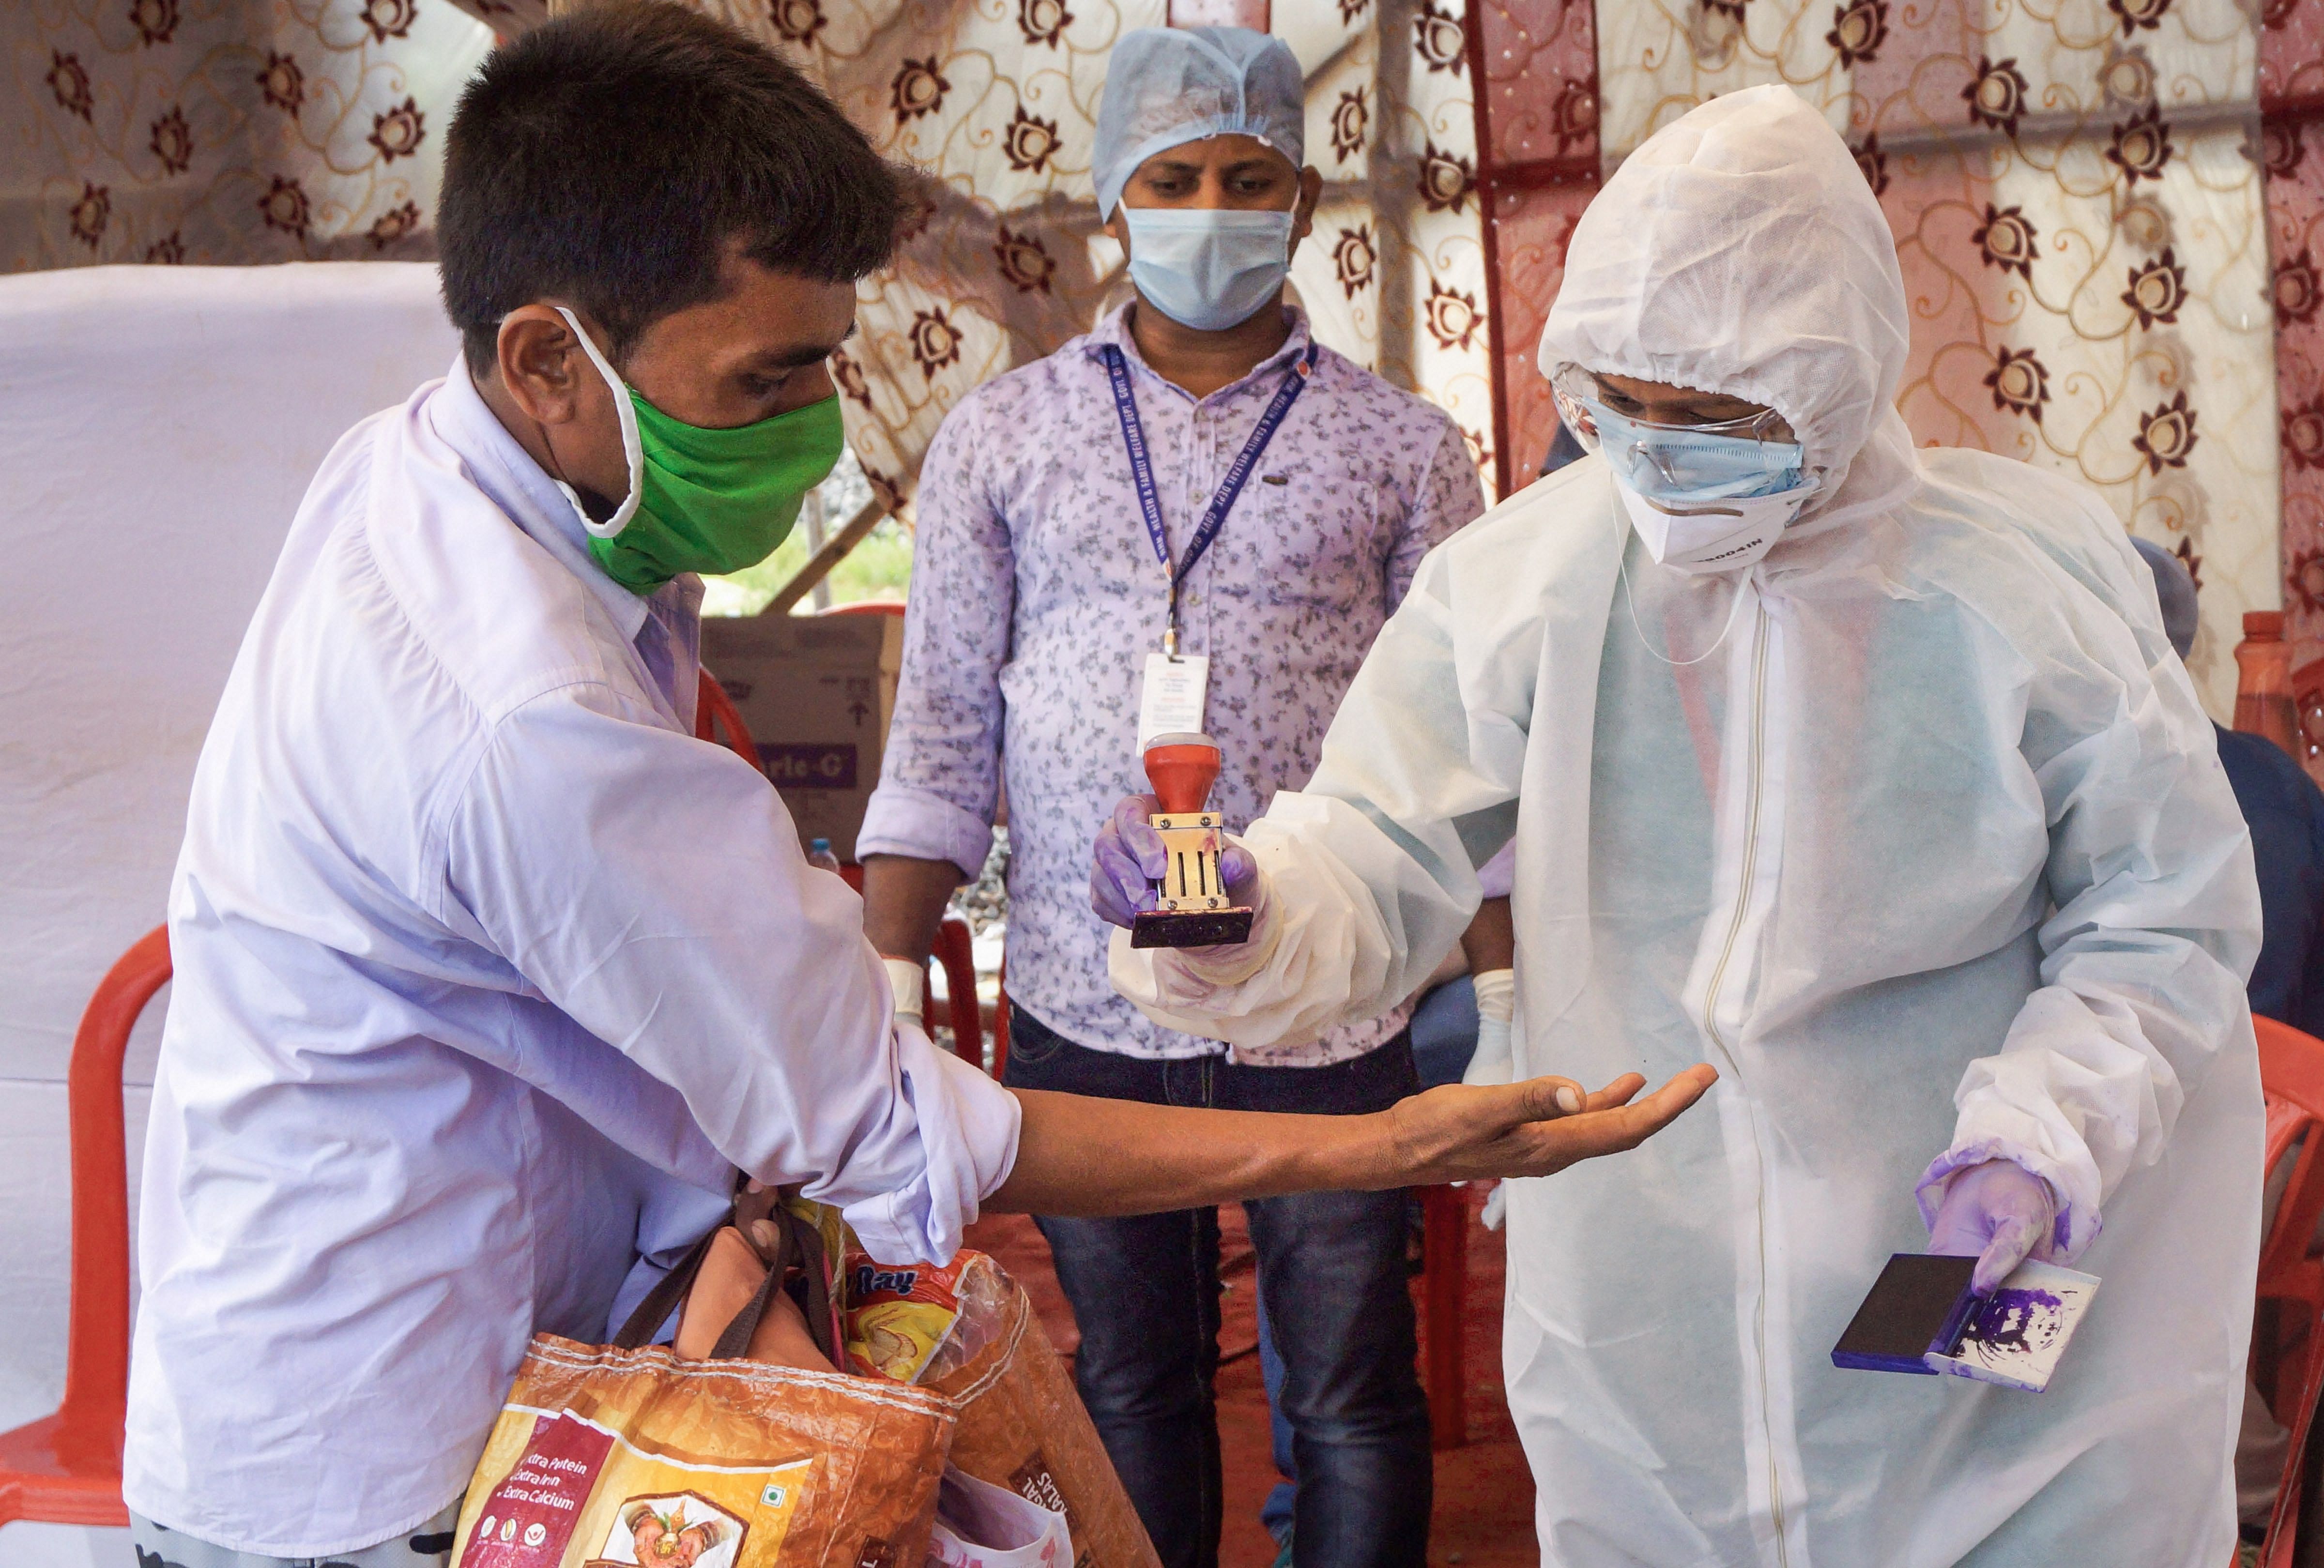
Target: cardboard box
[{"x": 816, "y": 693}]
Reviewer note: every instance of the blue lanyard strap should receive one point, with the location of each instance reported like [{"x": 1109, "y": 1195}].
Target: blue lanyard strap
[{"x": 1141, "y": 469}]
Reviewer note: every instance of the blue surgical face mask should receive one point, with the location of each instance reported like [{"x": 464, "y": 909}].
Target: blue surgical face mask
[
  {"x": 1205, "y": 267},
  {"x": 1682, "y": 466}
]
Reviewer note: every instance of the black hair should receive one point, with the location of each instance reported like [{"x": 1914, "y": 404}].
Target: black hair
[{"x": 612, "y": 155}]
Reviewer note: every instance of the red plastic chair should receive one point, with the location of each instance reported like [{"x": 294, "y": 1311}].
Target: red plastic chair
[
  {"x": 65, "y": 1469},
  {"x": 955, "y": 954},
  {"x": 1000, "y": 1020},
  {"x": 1444, "y": 1290},
  {"x": 714, "y": 710},
  {"x": 2292, "y": 1073}
]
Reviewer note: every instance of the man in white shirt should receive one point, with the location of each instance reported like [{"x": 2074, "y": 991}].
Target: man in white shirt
[{"x": 489, "y": 975}]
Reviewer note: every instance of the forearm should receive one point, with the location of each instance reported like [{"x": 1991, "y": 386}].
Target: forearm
[
  {"x": 1079, "y": 1156},
  {"x": 1490, "y": 941},
  {"x": 904, "y": 901}
]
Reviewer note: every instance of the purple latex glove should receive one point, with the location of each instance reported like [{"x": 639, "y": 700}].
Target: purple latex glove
[
  {"x": 1998, "y": 1213},
  {"x": 1129, "y": 860}
]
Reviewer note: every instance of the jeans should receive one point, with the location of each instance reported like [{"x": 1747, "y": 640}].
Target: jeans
[
  {"x": 1282, "y": 1503},
  {"x": 1445, "y": 1031},
  {"x": 1444, "y": 1037},
  {"x": 1145, "y": 1291}
]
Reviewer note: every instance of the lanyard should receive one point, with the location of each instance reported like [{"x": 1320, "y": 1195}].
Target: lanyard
[{"x": 1142, "y": 470}]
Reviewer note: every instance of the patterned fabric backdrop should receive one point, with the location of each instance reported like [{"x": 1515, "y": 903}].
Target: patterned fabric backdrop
[
  {"x": 2088, "y": 199},
  {"x": 995, "y": 102},
  {"x": 2290, "y": 150},
  {"x": 2111, "y": 212},
  {"x": 224, "y": 131}
]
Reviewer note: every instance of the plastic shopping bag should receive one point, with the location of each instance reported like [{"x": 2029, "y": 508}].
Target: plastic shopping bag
[
  {"x": 1023, "y": 1426},
  {"x": 982, "y": 1526}
]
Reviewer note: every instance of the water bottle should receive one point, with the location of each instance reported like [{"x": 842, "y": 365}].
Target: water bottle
[{"x": 818, "y": 853}]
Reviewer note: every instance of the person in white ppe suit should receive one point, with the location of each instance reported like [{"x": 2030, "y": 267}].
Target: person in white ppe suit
[{"x": 1868, "y": 774}]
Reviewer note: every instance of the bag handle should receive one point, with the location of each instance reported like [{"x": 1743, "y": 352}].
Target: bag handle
[
  {"x": 796, "y": 1242},
  {"x": 666, "y": 1296}
]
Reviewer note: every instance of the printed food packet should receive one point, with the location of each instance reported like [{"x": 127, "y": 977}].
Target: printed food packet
[
  {"x": 986, "y": 1294},
  {"x": 899, "y": 1318},
  {"x": 839, "y": 1243}
]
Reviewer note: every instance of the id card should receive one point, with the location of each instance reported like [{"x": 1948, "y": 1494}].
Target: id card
[{"x": 1170, "y": 701}]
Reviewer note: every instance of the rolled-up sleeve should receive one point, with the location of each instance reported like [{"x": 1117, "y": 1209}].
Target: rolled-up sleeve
[
  {"x": 699, "y": 942},
  {"x": 940, "y": 775}
]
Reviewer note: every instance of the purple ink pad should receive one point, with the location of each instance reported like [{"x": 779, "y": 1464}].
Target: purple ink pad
[
  {"x": 2016, "y": 1336},
  {"x": 1920, "y": 1317},
  {"x": 1916, "y": 1304}
]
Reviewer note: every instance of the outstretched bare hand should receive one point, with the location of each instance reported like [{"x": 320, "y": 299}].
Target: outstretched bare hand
[
  {"x": 1461, "y": 1132},
  {"x": 1114, "y": 1157}
]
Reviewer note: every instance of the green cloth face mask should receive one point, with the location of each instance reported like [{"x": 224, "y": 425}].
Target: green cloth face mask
[{"x": 703, "y": 500}]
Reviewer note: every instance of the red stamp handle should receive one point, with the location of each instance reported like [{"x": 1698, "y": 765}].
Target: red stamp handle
[{"x": 1182, "y": 769}]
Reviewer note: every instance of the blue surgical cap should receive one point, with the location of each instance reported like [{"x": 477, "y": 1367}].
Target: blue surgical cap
[
  {"x": 1168, "y": 85},
  {"x": 2176, "y": 591}
]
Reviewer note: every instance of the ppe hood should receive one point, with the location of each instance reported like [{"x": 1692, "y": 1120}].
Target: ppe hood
[{"x": 1739, "y": 250}]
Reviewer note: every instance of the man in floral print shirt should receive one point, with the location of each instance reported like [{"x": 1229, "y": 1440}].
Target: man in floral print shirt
[{"x": 1038, "y": 598}]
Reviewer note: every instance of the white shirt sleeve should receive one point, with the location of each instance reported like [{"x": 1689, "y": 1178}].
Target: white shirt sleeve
[{"x": 652, "y": 887}]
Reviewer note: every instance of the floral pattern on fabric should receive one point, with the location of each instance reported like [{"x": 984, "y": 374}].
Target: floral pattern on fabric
[
  {"x": 2100, "y": 207},
  {"x": 2090, "y": 205},
  {"x": 168, "y": 132},
  {"x": 996, "y": 107}
]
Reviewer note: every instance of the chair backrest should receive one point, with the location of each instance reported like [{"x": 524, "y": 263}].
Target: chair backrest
[
  {"x": 1001, "y": 1022},
  {"x": 715, "y": 710},
  {"x": 955, "y": 954},
  {"x": 2292, "y": 1073},
  {"x": 97, "y": 1346},
  {"x": 2291, "y": 1077}
]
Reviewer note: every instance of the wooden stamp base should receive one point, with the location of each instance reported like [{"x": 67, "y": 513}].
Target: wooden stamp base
[{"x": 1189, "y": 928}]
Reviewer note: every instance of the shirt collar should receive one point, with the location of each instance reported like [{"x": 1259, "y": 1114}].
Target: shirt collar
[
  {"x": 509, "y": 478},
  {"x": 1114, "y": 332}
]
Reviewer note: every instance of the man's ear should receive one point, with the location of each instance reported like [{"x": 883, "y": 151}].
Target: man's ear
[
  {"x": 1303, "y": 211},
  {"x": 541, "y": 364}
]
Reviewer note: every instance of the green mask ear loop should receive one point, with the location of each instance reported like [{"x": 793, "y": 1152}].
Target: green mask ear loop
[{"x": 633, "y": 448}]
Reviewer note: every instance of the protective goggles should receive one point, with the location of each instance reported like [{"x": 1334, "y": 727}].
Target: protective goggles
[
  {"x": 1751, "y": 455},
  {"x": 1576, "y": 387}
]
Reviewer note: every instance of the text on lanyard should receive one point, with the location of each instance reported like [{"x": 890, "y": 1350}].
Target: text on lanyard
[{"x": 1149, "y": 500}]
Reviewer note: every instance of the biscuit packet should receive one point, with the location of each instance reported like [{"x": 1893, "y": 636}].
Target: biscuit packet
[{"x": 901, "y": 1318}]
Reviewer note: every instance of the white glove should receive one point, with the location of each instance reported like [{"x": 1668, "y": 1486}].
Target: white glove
[
  {"x": 1496, "y": 1206},
  {"x": 1318, "y": 943},
  {"x": 909, "y": 982},
  {"x": 1228, "y": 964},
  {"x": 1496, "y": 1004}
]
